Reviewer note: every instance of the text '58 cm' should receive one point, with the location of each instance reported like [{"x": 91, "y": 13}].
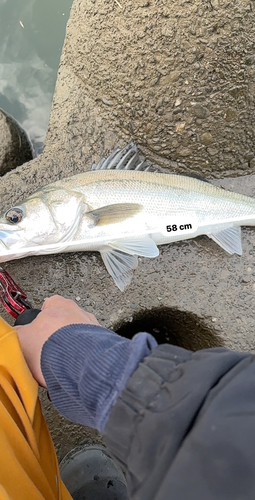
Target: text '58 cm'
[{"x": 182, "y": 227}]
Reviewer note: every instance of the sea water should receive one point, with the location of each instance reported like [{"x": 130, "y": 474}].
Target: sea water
[{"x": 31, "y": 39}]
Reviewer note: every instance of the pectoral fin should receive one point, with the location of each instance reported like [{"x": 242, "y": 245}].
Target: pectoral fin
[
  {"x": 229, "y": 239},
  {"x": 111, "y": 214},
  {"x": 120, "y": 257}
]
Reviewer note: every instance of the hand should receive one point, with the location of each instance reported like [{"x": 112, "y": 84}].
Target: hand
[{"x": 56, "y": 313}]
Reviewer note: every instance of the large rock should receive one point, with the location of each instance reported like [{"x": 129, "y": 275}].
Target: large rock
[
  {"x": 177, "y": 77},
  {"x": 15, "y": 146}
]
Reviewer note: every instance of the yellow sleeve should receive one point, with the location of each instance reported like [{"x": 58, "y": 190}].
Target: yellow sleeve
[{"x": 28, "y": 462}]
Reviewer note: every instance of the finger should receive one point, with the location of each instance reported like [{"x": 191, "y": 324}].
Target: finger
[
  {"x": 50, "y": 301},
  {"x": 55, "y": 301}
]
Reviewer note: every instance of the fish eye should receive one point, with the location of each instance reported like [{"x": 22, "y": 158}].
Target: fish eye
[{"x": 14, "y": 215}]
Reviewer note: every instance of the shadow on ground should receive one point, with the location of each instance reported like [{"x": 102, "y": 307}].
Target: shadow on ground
[{"x": 172, "y": 326}]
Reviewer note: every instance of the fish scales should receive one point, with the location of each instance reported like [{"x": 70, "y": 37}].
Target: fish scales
[
  {"x": 131, "y": 184},
  {"x": 123, "y": 214},
  {"x": 164, "y": 193}
]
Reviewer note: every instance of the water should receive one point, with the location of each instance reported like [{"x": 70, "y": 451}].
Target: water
[{"x": 31, "y": 39}]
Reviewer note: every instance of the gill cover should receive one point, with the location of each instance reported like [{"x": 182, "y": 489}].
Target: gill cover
[
  {"x": 65, "y": 207},
  {"x": 50, "y": 215}
]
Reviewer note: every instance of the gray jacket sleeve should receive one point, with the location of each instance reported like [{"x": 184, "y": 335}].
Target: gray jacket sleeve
[
  {"x": 184, "y": 426},
  {"x": 87, "y": 366}
]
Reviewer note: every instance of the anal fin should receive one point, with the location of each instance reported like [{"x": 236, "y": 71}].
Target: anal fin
[{"x": 229, "y": 239}]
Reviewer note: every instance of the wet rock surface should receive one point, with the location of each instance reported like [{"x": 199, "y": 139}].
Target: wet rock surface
[
  {"x": 15, "y": 146},
  {"x": 179, "y": 80}
]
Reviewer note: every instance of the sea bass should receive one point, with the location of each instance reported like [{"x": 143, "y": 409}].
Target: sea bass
[{"x": 122, "y": 210}]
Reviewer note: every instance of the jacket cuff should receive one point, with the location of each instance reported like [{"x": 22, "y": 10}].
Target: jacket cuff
[{"x": 87, "y": 366}]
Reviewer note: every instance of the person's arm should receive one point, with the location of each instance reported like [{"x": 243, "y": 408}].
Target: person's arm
[
  {"x": 183, "y": 425},
  {"x": 87, "y": 366},
  {"x": 83, "y": 365}
]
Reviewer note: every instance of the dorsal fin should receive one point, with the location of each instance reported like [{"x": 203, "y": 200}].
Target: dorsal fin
[{"x": 127, "y": 158}]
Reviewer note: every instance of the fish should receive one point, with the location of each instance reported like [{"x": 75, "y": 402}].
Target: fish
[{"x": 123, "y": 210}]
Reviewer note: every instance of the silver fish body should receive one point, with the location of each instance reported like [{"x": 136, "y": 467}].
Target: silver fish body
[{"x": 123, "y": 213}]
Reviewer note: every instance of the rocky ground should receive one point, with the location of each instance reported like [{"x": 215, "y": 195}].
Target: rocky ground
[{"x": 177, "y": 78}]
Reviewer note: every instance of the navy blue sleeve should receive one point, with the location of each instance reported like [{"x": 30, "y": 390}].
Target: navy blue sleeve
[{"x": 87, "y": 366}]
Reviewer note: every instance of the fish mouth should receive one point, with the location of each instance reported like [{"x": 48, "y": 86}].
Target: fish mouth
[
  {"x": 4, "y": 251},
  {"x": 2, "y": 245},
  {"x": 8, "y": 239}
]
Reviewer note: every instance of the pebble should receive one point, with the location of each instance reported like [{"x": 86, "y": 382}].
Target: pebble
[
  {"x": 171, "y": 77},
  {"x": 184, "y": 151},
  {"x": 212, "y": 151},
  {"x": 245, "y": 280},
  {"x": 249, "y": 155},
  {"x": 230, "y": 115},
  {"x": 143, "y": 3},
  {"x": 190, "y": 58},
  {"x": 206, "y": 138},
  {"x": 179, "y": 127},
  {"x": 107, "y": 102},
  {"x": 78, "y": 298},
  {"x": 200, "y": 111}
]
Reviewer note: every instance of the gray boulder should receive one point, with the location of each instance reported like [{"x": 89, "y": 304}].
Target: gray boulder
[{"x": 15, "y": 146}]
